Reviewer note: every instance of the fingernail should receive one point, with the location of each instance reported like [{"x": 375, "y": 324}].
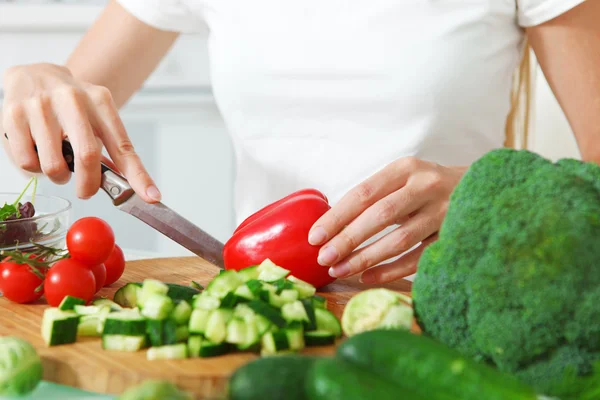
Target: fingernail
[
  {"x": 153, "y": 193},
  {"x": 317, "y": 236},
  {"x": 327, "y": 256},
  {"x": 340, "y": 270}
]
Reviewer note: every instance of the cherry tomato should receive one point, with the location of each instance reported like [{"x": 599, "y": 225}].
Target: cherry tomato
[
  {"x": 90, "y": 240},
  {"x": 69, "y": 277},
  {"x": 115, "y": 266},
  {"x": 18, "y": 283},
  {"x": 99, "y": 272}
]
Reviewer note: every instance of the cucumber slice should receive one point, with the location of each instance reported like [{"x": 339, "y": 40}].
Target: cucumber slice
[
  {"x": 172, "y": 352},
  {"x": 69, "y": 302},
  {"x": 231, "y": 300},
  {"x": 59, "y": 327},
  {"x": 198, "y": 321},
  {"x": 88, "y": 326},
  {"x": 309, "y": 308},
  {"x": 282, "y": 284},
  {"x": 248, "y": 273},
  {"x": 107, "y": 302},
  {"x": 209, "y": 349},
  {"x": 271, "y": 313},
  {"x": 295, "y": 336},
  {"x": 181, "y": 313},
  {"x": 319, "y": 301},
  {"x": 367, "y": 310},
  {"x": 151, "y": 288},
  {"x": 275, "y": 343},
  {"x": 244, "y": 292},
  {"x": 224, "y": 283},
  {"x": 194, "y": 344},
  {"x": 206, "y": 301},
  {"x": 216, "y": 327},
  {"x": 278, "y": 300},
  {"x": 127, "y": 322},
  {"x": 327, "y": 321},
  {"x": 88, "y": 310},
  {"x": 268, "y": 271},
  {"x": 182, "y": 334},
  {"x": 304, "y": 289},
  {"x": 169, "y": 332},
  {"x": 236, "y": 331},
  {"x": 154, "y": 331},
  {"x": 123, "y": 343},
  {"x": 256, "y": 287},
  {"x": 157, "y": 306},
  {"x": 294, "y": 312},
  {"x": 127, "y": 295},
  {"x": 319, "y": 338}
]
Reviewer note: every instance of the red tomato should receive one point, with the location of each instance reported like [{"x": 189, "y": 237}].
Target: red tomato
[
  {"x": 99, "y": 272},
  {"x": 69, "y": 277},
  {"x": 90, "y": 240},
  {"x": 18, "y": 283},
  {"x": 115, "y": 265}
]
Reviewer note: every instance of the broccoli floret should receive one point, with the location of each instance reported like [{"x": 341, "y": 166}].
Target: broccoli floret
[{"x": 513, "y": 279}]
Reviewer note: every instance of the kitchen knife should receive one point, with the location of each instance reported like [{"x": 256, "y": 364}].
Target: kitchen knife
[{"x": 157, "y": 215}]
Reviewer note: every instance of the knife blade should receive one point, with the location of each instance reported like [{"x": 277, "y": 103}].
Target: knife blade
[{"x": 156, "y": 215}]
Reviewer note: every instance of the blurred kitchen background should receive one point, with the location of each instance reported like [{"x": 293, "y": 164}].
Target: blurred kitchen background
[{"x": 175, "y": 125}]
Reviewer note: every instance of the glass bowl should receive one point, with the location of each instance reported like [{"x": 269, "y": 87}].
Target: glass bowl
[{"x": 47, "y": 227}]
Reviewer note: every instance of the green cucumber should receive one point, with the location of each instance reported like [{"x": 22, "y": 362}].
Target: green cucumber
[
  {"x": 294, "y": 312},
  {"x": 88, "y": 326},
  {"x": 282, "y": 284},
  {"x": 127, "y": 322},
  {"x": 319, "y": 338},
  {"x": 210, "y": 349},
  {"x": 107, "y": 302},
  {"x": 244, "y": 292},
  {"x": 171, "y": 352},
  {"x": 231, "y": 300},
  {"x": 271, "y": 313},
  {"x": 68, "y": 303},
  {"x": 207, "y": 302},
  {"x": 248, "y": 273},
  {"x": 182, "y": 333},
  {"x": 59, "y": 327},
  {"x": 89, "y": 310},
  {"x": 295, "y": 336},
  {"x": 182, "y": 313},
  {"x": 319, "y": 301},
  {"x": 276, "y": 342},
  {"x": 216, "y": 326},
  {"x": 223, "y": 284},
  {"x": 304, "y": 289},
  {"x": 256, "y": 287},
  {"x": 123, "y": 343},
  {"x": 194, "y": 344},
  {"x": 424, "y": 366},
  {"x": 327, "y": 321},
  {"x": 157, "y": 306},
  {"x": 127, "y": 295},
  {"x": 333, "y": 379},
  {"x": 268, "y": 271},
  {"x": 309, "y": 309},
  {"x": 154, "y": 331},
  {"x": 198, "y": 321},
  {"x": 151, "y": 287},
  {"x": 266, "y": 378}
]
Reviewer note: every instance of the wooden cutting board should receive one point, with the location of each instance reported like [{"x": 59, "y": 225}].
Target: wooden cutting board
[{"x": 86, "y": 366}]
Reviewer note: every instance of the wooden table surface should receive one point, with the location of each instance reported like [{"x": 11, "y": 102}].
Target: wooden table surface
[{"x": 85, "y": 365}]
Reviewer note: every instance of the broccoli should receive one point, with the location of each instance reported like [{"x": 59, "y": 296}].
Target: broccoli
[{"x": 514, "y": 278}]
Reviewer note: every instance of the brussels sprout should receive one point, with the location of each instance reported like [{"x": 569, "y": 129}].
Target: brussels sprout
[
  {"x": 20, "y": 367},
  {"x": 155, "y": 390}
]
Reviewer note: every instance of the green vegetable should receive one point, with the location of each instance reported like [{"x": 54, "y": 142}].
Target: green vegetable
[
  {"x": 155, "y": 390},
  {"x": 59, "y": 327},
  {"x": 429, "y": 368},
  {"x": 69, "y": 303},
  {"x": 280, "y": 377},
  {"x": 20, "y": 367},
  {"x": 126, "y": 296},
  {"x": 513, "y": 279}
]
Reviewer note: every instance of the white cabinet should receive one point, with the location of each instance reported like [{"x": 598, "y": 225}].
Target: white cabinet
[{"x": 173, "y": 122}]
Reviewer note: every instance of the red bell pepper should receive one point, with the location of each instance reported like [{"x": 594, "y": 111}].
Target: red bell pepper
[{"x": 279, "y": 232}]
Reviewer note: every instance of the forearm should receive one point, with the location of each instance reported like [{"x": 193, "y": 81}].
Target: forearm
[
  {"x": 119, "y": 52},
  {"x": 568, "y": 50}
]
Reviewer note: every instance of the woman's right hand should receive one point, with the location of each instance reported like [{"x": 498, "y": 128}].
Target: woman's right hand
[{"x": 43, "y": 104}]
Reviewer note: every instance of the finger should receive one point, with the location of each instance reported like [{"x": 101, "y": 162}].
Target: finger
[
  {"x": 21, "y": 144},
  {"x": 398, "y": 269},
  {"x": 386, "y": 212},
  {"x": 47, "y": 134},
  {"x": 119, "y": 146},
  {"x": 400, "y": 240},
  {"x": 110, "y": 164},
  {"x": 86, "y": 146},
  {"x": 384, "y": 182}
]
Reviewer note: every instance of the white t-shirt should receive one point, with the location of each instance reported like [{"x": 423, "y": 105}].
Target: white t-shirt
[{"x": 323, "y": 93}]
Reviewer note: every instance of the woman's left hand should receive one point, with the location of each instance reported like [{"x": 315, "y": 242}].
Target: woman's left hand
[{"x": 409, "y": 192}]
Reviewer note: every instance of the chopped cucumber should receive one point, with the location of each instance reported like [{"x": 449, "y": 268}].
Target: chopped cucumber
[
  {"x": 295, "y": 336},
  {"x": 282, "y": 284},
  {"x": 126, "y": 322},
  {"x": 369, "y": 309},
  {"x": 169, "y": 332},
  {"x": 182, "y": 334},
  {"x": 278, "y": 300},
  {"x": 123, "y": 342},
  {"x": 236, "y": 331},
  {"x": 206, "y": 301},
  {"x": 181, "y": 313},
  {"x": 216, "y": 327},
  {"x": 268, "y": 271},
  {"x": 157, "y": 306},
  {"x": 106, "y": 302},
  {"x": 194, "y": 344},
  {"x": 69, "y": 302},
  {"x": 248, "y": 273},
  {"x": 127, "y": 295},
  {"x": 319, "y": 301},
  {"x": 231, "y": 300},
  {"x": 294, "y": 312},
  {"x": 275, "y": 343},
  {"x": 271, "y": 313},
  {"x": 198, "y": 321},
  {"x": 209, "y": 349},
  {"x": 244, "y": 292},
  {"x": 59, "y": 327},
  {"x": 327, "y": 321},
  {"x": 171, "y": 352},
  {"x": 88, "y": 326},
  {"x": 311, "y": 323},
  {"x": 162, "y": 332},
  {"x": 224, "y": 283},
  {"x": 319, "y": 338},
  {"x": 256, "y": 287},
  {"x": 304, "y": 289},
  {"x": 197, "y": 286},
  {"x": 151, "y": 287},
  {"x": 89, "y": 310}
]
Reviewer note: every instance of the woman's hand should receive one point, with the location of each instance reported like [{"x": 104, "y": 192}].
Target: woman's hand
[
  {"x": 409, "y": 192},
  {"x": 43, "y": 104}
]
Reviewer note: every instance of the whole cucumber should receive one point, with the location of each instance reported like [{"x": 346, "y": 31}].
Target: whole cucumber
[{"x": 431, "y": 368}]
